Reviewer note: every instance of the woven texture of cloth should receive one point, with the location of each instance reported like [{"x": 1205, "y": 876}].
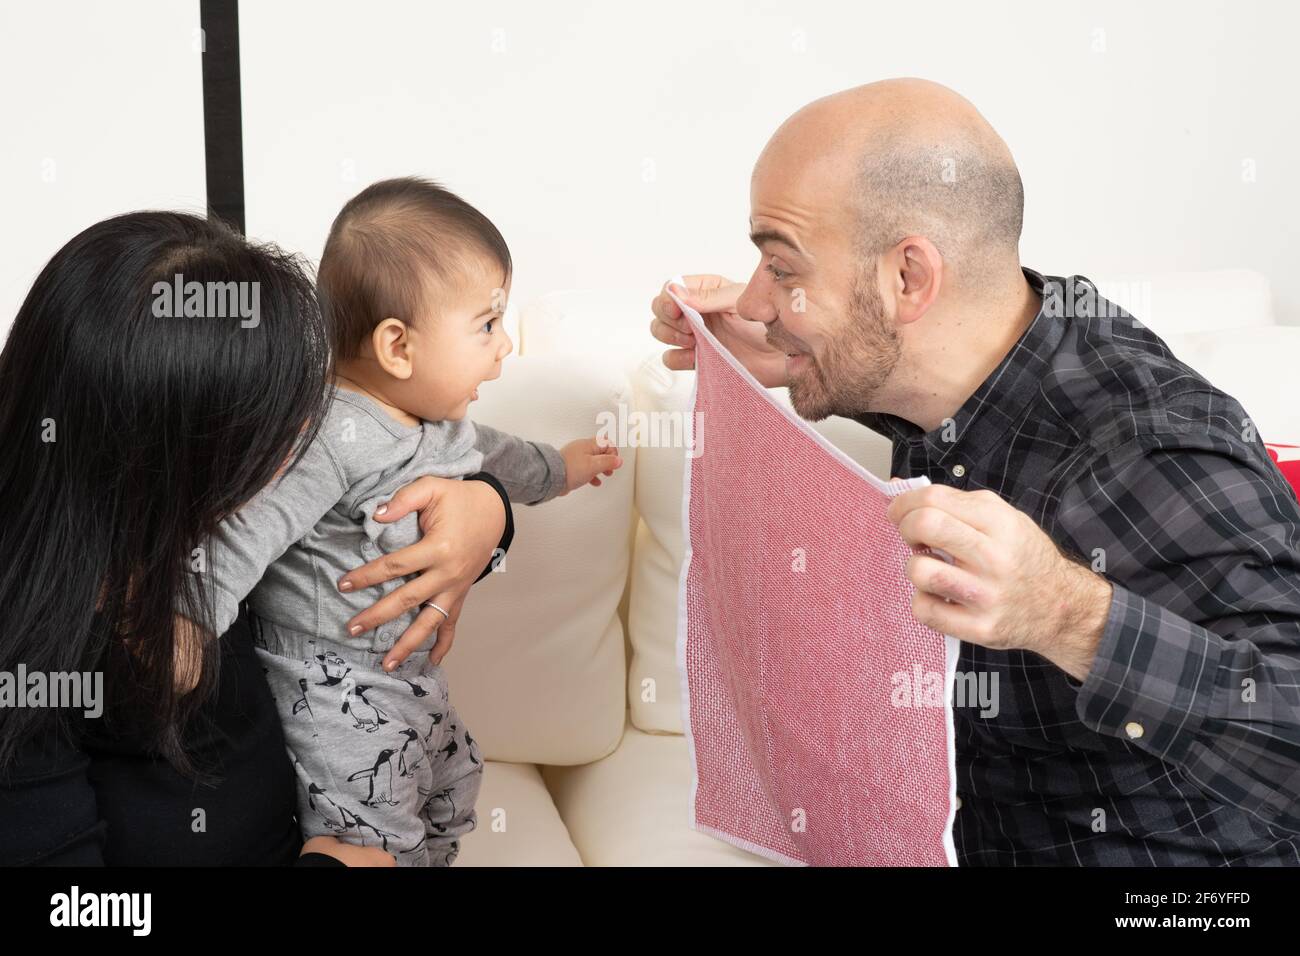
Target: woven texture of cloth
[{"x": 818, "y": 710}]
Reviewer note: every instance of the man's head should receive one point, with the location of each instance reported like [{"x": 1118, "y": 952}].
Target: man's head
[
  {"x": 872, "y": 209},
  {"x": 414, "y": 280}
]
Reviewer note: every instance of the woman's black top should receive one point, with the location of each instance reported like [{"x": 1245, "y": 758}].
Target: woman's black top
[{"x": 80, "y": 800}]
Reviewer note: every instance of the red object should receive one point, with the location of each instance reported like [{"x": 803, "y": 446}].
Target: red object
[
  {"x": 805, "y": 673},
  {"x": 1287, "y": 459}
]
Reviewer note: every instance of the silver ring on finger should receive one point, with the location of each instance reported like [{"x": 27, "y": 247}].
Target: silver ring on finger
[{"x": 437, "y": 608}]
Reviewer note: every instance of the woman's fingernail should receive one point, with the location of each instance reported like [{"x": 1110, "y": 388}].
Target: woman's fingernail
[
  {"x": 345, "y": 585},
  {"x": 390, "y": 665},
  {"x": 354, "y": 630},
  {"x": 381, "y": 509}
]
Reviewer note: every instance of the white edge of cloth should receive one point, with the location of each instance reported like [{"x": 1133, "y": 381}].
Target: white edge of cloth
[
  {"x": 681, "y": 617},
  {"x": 952, "y": 647}
]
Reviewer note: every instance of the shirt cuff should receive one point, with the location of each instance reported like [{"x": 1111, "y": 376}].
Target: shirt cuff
[
  {"x": 1153, "y": 678},
  {"x": 556, "y": 473}
]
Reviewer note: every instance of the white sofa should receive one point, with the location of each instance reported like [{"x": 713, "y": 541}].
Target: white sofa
[{"x": 564, "y": 668}]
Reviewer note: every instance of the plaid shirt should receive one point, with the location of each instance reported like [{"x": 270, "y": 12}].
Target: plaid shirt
[{"x": 1182, "y": 745}]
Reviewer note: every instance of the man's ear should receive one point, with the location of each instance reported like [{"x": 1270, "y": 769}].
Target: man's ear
[
  {"x": 915, "y": 277},
  {"x": 392, "y": 344}
]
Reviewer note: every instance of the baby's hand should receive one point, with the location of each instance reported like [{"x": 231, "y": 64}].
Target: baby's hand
[{"x": 584, "y": 460}]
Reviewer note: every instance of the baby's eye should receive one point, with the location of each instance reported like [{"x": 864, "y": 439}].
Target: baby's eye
[{"x": 487, "y": 326}]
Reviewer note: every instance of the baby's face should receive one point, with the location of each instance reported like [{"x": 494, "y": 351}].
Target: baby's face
[{"x": 461, "y": 346}]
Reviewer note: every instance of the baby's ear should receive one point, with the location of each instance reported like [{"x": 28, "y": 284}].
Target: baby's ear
[{"x": 391, "y": 344}]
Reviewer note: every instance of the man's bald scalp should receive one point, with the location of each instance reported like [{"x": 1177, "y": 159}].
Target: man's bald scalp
[
  {"x": 963, "y": 195},
  {"x": 920, "y": 160}
]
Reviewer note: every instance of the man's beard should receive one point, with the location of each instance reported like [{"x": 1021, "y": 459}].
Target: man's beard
[{"x": 859, "y": 356}]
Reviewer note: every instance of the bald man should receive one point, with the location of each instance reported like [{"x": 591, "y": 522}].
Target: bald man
[{"x": 1126, "y": 555}]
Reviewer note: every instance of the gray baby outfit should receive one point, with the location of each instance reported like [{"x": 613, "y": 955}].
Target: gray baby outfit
[{"x": 382, "y": 759}]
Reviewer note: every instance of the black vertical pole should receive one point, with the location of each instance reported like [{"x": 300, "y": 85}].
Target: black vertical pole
[{"x": 223, "y": 139}]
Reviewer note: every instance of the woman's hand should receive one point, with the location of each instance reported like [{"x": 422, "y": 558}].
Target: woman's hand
[
  {"x": 715, "y": 299},
  {"x": 348, "y": 854},
  {"x": 462, "y": 523}
]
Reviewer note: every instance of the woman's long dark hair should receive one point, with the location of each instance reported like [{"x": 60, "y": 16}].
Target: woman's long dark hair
[{"x": 125, "y": 436}]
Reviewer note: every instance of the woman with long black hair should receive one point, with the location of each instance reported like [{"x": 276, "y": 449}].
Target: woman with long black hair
[{"x": 129, "y": 426}]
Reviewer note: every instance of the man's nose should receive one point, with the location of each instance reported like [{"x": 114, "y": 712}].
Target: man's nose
[{"x": 753, "y": 305}]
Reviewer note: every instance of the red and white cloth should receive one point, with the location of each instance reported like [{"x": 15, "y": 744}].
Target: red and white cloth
[{"x": 818, "y": 711}]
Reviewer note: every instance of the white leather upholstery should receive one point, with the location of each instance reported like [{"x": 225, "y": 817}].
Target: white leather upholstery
[
  {"x": 518, "y": 824},
  {"x": 631, "y": 809}
]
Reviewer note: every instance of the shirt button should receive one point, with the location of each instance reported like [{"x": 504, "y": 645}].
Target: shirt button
[
  {"x": 1134, "y": 729},
  {"x": 959, "y": 471}
]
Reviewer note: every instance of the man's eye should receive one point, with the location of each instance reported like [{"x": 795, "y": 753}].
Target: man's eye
[{"x": 777, "y": 274}]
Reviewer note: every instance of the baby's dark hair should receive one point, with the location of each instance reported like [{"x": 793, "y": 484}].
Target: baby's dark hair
[{"x": 385, "y": 245}]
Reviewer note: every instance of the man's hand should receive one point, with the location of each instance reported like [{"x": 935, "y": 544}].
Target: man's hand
[
  {"x": 715, "y": 299},
  {"x": 1009, "y": 588},
  {"x": 585, "y": 460},
  {"x": 462, "y": 523}
]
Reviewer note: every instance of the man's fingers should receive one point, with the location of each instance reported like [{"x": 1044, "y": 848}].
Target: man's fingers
[
  {"x": 424, "y": 624},
  {"x": 979, "y": 509},
  {"x": 673, "y": 333},
  {"x": 945, "y": 581},
  {"x": 680, "y": 360},
  {"x": 665, "y": 308},
  {"x": 952, "y": 619},
  {"x": 712, "y": 293},
  {"x": 938, "y": 529}
]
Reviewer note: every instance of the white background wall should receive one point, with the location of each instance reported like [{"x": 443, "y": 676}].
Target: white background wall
[{"x": 612, "y": 142}]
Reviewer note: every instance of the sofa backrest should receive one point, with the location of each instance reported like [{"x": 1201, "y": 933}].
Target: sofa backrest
[{"x": 538, "y": 668}]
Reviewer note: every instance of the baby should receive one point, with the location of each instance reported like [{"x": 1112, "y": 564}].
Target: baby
[{"x": 414, "y": 281}]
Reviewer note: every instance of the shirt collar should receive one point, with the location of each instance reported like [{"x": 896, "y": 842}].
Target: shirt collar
[{"x": 980, "y": 424}]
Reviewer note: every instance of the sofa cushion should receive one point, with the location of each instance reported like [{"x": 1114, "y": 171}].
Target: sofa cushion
[
  {"x": 632, "y": 808},
  {"x": 538, "y": 668},
  {"x": 518, "y": 824}
]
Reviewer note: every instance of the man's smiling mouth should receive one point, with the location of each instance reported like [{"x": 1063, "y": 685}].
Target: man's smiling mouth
[{"x": 791, "y": 353}]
